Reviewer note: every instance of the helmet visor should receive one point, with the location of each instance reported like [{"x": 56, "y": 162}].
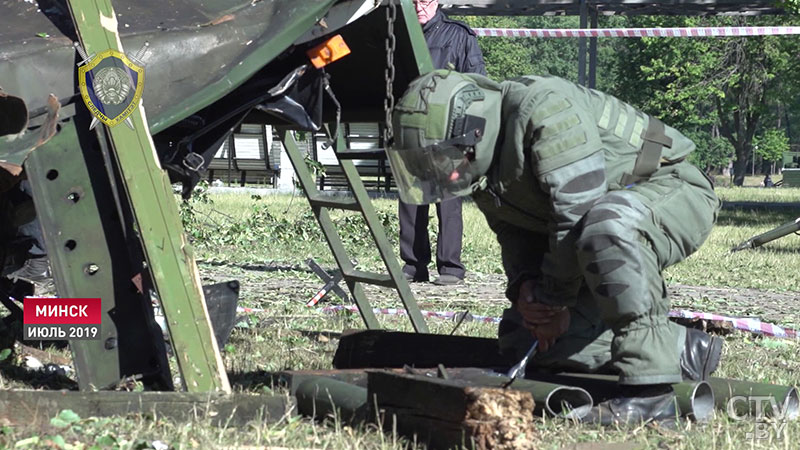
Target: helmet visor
[{"x": 432, "y": 174}]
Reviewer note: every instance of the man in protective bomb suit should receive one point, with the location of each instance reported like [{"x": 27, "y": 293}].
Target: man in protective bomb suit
[{"x": 590, "y": 200}]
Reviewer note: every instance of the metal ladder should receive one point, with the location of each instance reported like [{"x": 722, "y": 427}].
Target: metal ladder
[{"x": 360, "y": 201}]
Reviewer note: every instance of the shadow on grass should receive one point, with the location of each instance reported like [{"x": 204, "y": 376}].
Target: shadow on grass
[
  {"x": 770, "y": 247},
  {"x": 38, "y": 379},
  {"x": 254, "y": 381},
  {"x": 268, "y": 267},
  {"x": 766, "y": 219}
]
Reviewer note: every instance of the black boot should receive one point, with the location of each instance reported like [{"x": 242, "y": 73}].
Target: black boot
[
  {"x": 701, "y": 355},
  {"x": 635, "y": 405}
]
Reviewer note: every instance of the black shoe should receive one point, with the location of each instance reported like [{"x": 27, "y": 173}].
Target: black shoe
[
  {"x": 701, "y": 355},
  {"x": 414, "y": 278},
  {"x": 654, "y": 403},
  {"x": 448, "y": 280}
]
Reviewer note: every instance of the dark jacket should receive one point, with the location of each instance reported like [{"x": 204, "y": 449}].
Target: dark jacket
[{"x": 451, "y": 41}]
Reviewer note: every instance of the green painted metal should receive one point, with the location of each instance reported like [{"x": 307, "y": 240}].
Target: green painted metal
[
  {"x": 769, "y": 236},
  {"x": 168, "y": 254},
  {"x": 301, "y": 15},
  {"x": 360, "y": 202},
  {"x": 695, "y": 400},
  {"x": 742, "y": 398},
  {"x": 397, "y": 279},
  {"x": 82, "y": 228},
  {"x": 791, "y": 177},
  {"x": 328, "y": 228},
  {"x": 321, "y": 397}
]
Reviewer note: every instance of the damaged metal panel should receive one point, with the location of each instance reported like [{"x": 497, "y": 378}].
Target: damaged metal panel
[
  {"x": 91, "y": 258},
  {"x": 199, "y": 50},
  {"x": 16, "y": 143}
]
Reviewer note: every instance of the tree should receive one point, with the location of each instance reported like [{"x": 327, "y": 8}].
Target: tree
[
  {"x": 791, "y": 6},
  {"x": 771, "y": 145},
  {"x": 512, "y": 57},
  {"x": 695, "y": 83},
  {"x": 712, "y": 151}
]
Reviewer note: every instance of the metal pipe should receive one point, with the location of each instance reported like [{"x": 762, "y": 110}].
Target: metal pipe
[
  {"x": 320, "y": 397},
  {"x": 593, "y": 51},
  {"x": 695, "y": 399},
  {"x": 557, "y": 400},
  {"x": 771, "y": 235},
  {"x": 584, "y": 13},
  {"x": 738, "y": 397}
]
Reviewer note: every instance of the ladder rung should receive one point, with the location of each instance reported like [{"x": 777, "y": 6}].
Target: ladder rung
[
  {"x": 378, "y": 279},
  {"x": 372, "y": 153},
  {"x": 347, "y": 203}
]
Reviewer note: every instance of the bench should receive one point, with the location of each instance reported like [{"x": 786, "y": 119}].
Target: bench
[
  {"x": 373, "y": 168},
  {"x": 247, "y": 155}
]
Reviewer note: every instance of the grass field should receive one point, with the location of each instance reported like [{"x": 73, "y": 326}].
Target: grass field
[{"x": 264, "y": 241}]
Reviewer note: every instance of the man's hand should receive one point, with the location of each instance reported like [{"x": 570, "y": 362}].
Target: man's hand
[{"x": 546, "y": 322}]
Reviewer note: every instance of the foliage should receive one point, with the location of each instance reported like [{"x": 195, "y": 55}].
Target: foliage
[
  {"x": 771, "y": 144},
  {"x": 193, "y": 222},
  {"x": 730, "y": 84},
  {"x": 263, "y": 225},
  {"x": 512, "y": 57},
  {"x": 792, "y": 6},
  {"x": 712, "y": 152}
]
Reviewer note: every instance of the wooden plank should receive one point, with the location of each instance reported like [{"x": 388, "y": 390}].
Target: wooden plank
[
  {"x": 447, "y": 413},
  {"x": 444, "y": 399},
  {"x": 36, "y": 408},
  {"x": 168, "y": 253},
  {"x": 379, "y": 348}
]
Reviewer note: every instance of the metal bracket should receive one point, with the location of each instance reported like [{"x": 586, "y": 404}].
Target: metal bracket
[{"x": 331, "y": 284}]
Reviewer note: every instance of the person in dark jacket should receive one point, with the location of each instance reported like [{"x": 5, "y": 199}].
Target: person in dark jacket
[{"x": 451, "y": 43}]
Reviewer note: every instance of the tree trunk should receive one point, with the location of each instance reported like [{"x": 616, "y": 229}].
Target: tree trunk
[{"x": 740, "y": 165}]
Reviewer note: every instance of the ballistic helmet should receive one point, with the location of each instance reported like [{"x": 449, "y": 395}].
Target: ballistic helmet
[{"x": 445, "y": 130}]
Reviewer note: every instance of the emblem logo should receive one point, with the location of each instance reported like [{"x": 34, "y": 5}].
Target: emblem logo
[{"x": 111, "y": 84}]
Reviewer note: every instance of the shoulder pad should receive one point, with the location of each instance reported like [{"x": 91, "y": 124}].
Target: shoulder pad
[{"x": 466, "y": 27}]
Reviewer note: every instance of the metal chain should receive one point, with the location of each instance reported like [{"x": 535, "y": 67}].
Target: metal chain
[{"x": 390, "y": 44}]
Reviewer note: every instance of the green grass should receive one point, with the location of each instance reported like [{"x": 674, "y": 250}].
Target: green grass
[
  {"x": 233, "y": 230},
  {"x": 712, "y": 265}
]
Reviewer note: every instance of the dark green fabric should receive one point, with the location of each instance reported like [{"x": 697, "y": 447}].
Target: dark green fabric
[
  {"x": 589, "y": 240},
  {"x": 619, "y": 320}
]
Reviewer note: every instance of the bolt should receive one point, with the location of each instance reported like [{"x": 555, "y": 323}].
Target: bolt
[{"x": 111, "y": 343}]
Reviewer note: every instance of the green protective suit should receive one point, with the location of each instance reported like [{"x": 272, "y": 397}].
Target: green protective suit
[{"x": 593, "y": 199}]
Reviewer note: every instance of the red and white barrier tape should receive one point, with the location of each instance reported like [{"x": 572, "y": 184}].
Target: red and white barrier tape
[
  {"x": 636, "y": 32},
  {"x": 402, "y": 312},
  {"x": 746, "y": 324}
]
